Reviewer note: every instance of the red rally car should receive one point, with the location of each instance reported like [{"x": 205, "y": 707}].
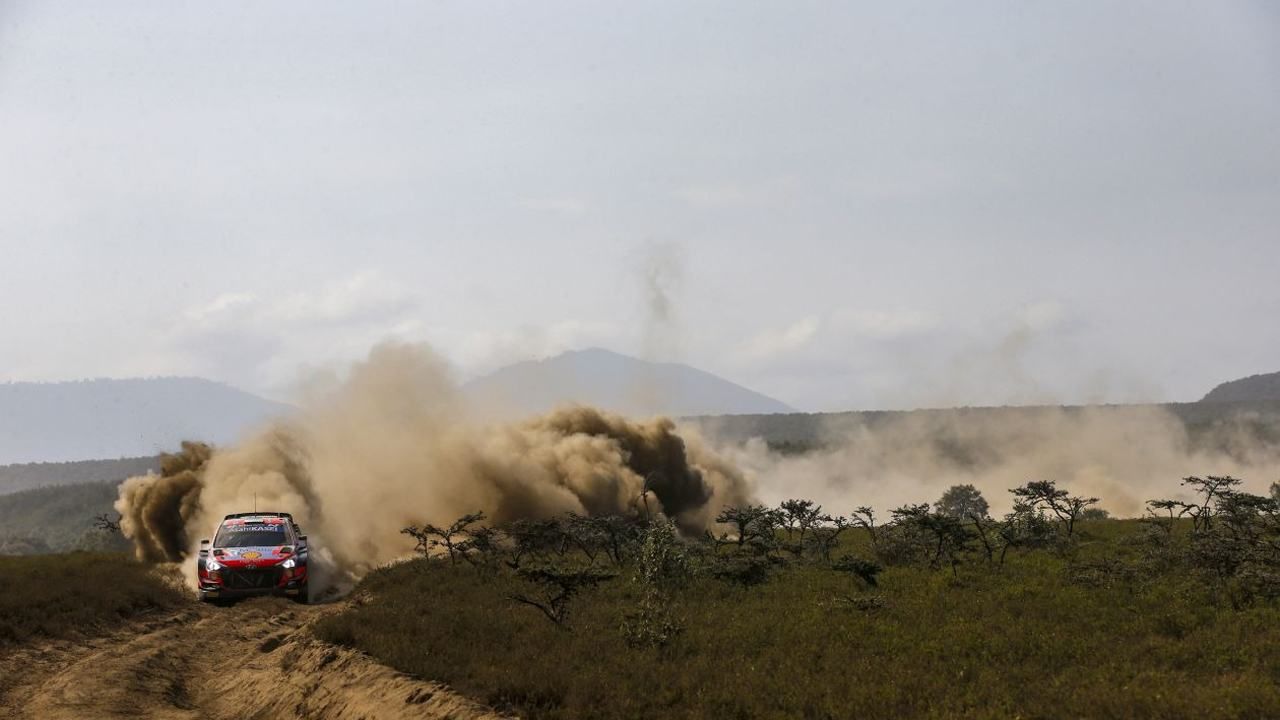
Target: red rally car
[{"x": 260, "y": 553}]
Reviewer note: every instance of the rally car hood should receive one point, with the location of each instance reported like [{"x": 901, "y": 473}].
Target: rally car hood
[{"x": 259, "y": 556}]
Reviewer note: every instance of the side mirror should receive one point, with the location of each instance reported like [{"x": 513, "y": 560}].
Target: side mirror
[{"x": 204, "y": 548}]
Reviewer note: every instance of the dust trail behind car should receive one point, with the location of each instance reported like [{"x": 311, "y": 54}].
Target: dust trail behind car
[{"x": 393, "y": 445}]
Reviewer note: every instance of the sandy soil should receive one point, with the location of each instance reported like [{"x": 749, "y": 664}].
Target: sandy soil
[{"x": 255, "y": 659}]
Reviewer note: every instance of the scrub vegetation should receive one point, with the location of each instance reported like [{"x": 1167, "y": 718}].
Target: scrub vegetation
[
  {"x": 58, "y": 596},
  {"x": 935, "y": 610}
]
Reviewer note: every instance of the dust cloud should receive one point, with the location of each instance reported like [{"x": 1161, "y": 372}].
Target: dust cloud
[
  {"x": 393, "y": 445},
  {"x": 1124, "y": 455},
  {"x": 159, "y": 507}
]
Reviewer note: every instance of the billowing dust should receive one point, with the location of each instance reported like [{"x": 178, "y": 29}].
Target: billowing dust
[
  {"x": 393, "y": 445},
  {"x": 1124, "y": 455}
]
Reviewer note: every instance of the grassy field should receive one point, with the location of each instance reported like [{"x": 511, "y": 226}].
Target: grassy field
[
  {"x": 1044, "y": 636},
  {"x": 55, "y": 596}
]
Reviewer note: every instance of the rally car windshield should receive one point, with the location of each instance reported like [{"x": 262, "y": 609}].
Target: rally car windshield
[{"x": 268, "y": 536}]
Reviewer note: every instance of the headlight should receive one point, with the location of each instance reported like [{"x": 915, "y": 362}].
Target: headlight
[
  {"x": 289, "y": 564},
  {"x": 212, "y": 565}
]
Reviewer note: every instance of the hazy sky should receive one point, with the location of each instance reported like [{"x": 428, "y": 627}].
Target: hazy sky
[{"x": 842, "y": 205}]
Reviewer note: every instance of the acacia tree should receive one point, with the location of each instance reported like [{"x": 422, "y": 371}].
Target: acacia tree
[
  {"x": 453, "y": 538},
  {"x": 538, "y": 539},
  {"x": 985, "y": 529},
  {"x": 482, "y": 548},
  {"x": 1168, "y": 512},
  {"x": 1235, "y": 537},
  {"x": 801, "y": 516},
  {"x": 865, "y": 518},
  {"x": 826, "y": 534},
  {"x": 902, "y": 540},
  {"x": 555, "y": 587},
  {"x": 754, "y": 523},
  {"x": 104, "y": 522},
  {"x": 617, "y": 533},
  {"x": 1045, "y": 494},
  {"x": 584, "y": 533},
  {"x": 1025, "y": 527},
  {"x": 1212, "y": 489},
  {"x": 943, "y": 536},
  {"x": 962, "y": 501}
]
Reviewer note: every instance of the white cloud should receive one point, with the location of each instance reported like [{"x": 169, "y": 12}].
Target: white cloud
[
  {"x": 884, "y": 324},
  {"x": 259, "y": 341},
  {"x": 772, "y": 343},
  {"x": 221, "y": 306},
  {"x": 265, "y": 342},
  {"x": 855, "y": 351},
  {"x": 823, "y": 341},
  {"x": 364, "y": 296}
]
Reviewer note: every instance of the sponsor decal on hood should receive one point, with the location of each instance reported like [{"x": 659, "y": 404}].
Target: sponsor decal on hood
[{"x": 259, "y": 555}]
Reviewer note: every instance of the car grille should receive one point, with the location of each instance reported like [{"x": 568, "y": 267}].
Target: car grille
[{"x": 250, "y": 579}]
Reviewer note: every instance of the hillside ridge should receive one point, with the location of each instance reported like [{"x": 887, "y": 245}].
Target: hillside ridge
[
  {"x": 1255, "y": 388},
  {"x": 113, "y": 418},
  {"x": 615, "y": 382}
]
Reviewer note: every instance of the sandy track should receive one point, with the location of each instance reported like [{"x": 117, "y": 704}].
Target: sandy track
[{"x": 252, "y": 660}]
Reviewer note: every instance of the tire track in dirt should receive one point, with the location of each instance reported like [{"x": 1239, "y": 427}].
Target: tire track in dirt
[{"x": 256, "y": 659}]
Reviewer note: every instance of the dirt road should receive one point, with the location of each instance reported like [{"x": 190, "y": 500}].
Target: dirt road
[{"x": 252, "y": 660}]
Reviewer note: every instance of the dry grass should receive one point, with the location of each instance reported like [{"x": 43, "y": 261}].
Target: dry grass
[
  {"x": 64, "y": 595},
  {"x": 1026, "y": 641}
]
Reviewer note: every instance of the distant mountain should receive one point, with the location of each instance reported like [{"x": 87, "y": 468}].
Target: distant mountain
[
  {"x": 614, "y": 382},
  {"x": 1250, "y": 389},
  {"x": 89, "y": 419}
]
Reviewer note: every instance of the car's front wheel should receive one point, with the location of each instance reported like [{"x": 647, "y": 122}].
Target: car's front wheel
[{"x": 304, "y": 595}]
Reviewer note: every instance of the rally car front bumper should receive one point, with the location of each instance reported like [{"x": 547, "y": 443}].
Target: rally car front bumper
[{"x": 239, "y": 583}]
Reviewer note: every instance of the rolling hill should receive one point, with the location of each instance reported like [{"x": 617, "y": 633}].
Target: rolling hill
[
  {"x": 614, "y": 382},
  {"x": 1255, "y": 388}
]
